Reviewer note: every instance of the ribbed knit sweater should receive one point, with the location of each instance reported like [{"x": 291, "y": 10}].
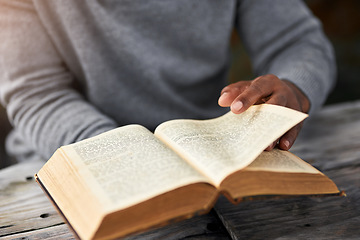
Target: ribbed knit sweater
[{"x": 73, "y": 69}]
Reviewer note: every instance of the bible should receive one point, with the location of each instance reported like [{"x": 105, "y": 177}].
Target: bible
[{"x": 129, "y": 179}]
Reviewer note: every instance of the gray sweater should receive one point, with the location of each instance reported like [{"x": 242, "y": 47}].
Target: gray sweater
[{"x": 73, "y": 69}]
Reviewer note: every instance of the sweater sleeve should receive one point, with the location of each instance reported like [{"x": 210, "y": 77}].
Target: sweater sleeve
[
  {"x": 285, "y": 39},
  {"x": 36, "y": 87}
]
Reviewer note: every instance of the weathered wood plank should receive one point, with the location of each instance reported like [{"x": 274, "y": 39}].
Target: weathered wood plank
[
  {"x": 52, "y": 233},
  {"x": 331, "y": 138},
  {"x": 23, "y": 205},
  {"x": 331, "y": 142},
  {"x": 26, "y": 213},
  {"x": 174, "y": 231}
]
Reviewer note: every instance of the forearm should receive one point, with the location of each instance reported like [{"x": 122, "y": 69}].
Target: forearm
[
  {"x": 56, "y": 119},
  {"x": 48, "y": 113},
  {"x": 283, "y": 38},
  {"x": 309, "y": 69},
  {"x": 36, "y": 87}
]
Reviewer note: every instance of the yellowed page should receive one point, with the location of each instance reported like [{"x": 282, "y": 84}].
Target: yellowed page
[
  {"x": 223, "y": 145},
  {"x": 83, "y": 210},
  {"x": 280, "y": 161},
  {"x": 129, "y": 165}
]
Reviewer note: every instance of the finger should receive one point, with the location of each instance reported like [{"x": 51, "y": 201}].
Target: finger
[
  {"x": 227, "y": 98},
  {"x": 259, "y": 88},
  {"x": 288, "y": 139},
  {"x": 271, "y": 146},
  {"x": 229, "y": 93}
]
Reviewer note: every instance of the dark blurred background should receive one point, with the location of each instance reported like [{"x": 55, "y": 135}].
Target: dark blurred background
[{"x": 341, "y": 21}]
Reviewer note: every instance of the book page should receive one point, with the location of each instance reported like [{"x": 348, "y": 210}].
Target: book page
[
  {"x": 280, "y": 161},
  {"x": 129, "y": 165},
  {"x": 223, "y": 145}
]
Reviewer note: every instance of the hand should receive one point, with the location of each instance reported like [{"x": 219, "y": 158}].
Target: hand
[{"x": 266, "y": 89}]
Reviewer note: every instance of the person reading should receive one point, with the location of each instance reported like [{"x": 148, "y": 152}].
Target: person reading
[{"x": 72, "y": 70}]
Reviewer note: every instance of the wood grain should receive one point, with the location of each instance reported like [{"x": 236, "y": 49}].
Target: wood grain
[
  {"x": 331, "y": 142},
  {"x": 50, "y": 233},
  {"x": 23, "y": 206}
]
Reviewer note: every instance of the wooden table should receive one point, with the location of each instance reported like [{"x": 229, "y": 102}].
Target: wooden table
[{"x": 330, "y": 141}]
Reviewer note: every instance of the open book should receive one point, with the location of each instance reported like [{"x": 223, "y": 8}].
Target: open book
[{"x": 129, "y": 179}]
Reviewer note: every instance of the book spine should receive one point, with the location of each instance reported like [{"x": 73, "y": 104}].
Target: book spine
[{"x": 56, "y": 206}]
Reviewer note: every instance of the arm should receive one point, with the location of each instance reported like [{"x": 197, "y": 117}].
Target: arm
[
  {"x": 284, "y": 39},
  {"x": 36, "y": 86}
]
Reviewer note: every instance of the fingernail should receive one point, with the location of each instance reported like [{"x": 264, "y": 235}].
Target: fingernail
[
  {"x": 271, "y": 146},
  {"x": 223, "y": 96},
  {"x": 287, "y": 144},
  {"x": 237, "y": 106}
]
